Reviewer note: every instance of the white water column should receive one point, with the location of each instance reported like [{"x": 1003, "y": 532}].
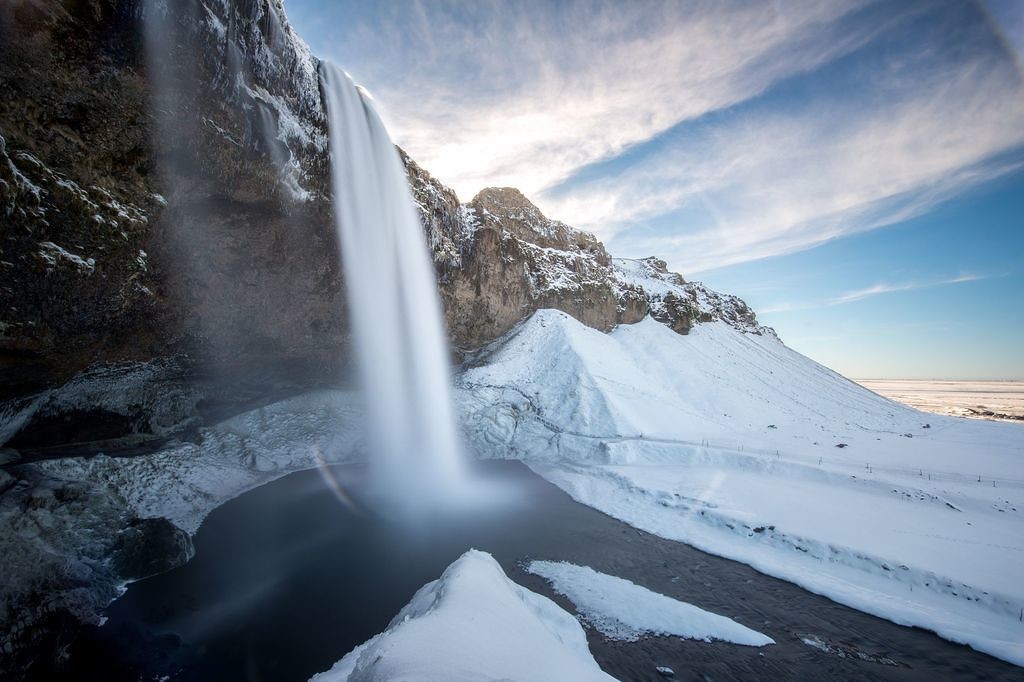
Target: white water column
[{"x": 394, "y": 308}]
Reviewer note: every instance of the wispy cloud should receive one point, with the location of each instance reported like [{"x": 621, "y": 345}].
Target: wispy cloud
[
  {"x": 871, "y": 291},
  {"x": 785, "y": 181},
  {"x": 509, "y": 93},
  {"x": 968, "y": 278},
  {"x": 877, "y": 289},
  {"x": 884, "y": 288}
]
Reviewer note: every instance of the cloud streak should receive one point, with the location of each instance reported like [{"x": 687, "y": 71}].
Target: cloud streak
[
  {"x": 869, "y": 292},
  {"x": 780, "y": 182},
  {"x": 489, "y": 94}
]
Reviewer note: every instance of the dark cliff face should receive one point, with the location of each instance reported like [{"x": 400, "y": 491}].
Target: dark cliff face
[
  {"x": 246, "y": 246},
  {"x": 75, "y": 199},
  {"x": 163, "y": 196}
]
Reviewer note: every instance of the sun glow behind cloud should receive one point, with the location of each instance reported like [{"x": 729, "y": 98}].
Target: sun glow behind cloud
[
  {"x": 560, "y": 92},
  {"x": 563, "y": 101}
]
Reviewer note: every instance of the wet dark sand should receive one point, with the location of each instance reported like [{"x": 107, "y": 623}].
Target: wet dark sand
[{"x": 286, "y": 580}]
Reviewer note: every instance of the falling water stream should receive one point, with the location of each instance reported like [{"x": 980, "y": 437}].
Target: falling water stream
[{"x": 394, "y": 308}]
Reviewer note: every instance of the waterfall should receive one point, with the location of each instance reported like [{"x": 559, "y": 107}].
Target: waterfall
[{"x": 394, "y": 308}]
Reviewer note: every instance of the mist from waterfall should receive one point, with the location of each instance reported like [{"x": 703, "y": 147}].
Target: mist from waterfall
[{"x": 394, "y": 309}]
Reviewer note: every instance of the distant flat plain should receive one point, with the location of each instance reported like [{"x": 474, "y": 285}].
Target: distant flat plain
[{"x": 980, "y": 399}]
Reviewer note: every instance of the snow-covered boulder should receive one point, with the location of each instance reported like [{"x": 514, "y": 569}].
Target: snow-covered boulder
[{"x": 473, "y": 623}]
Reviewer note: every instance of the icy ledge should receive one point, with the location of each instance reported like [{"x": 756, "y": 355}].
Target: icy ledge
[
  {"x": 473, "y": 623},
  {"x": 186, "y": 481}
]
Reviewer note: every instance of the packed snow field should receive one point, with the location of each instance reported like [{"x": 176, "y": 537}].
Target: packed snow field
[
  {"x": 739, "y": 446},
  {"x": 723, "y": 439}
]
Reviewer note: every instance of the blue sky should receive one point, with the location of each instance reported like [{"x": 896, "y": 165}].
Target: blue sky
[{"x": 854, "y": 169}]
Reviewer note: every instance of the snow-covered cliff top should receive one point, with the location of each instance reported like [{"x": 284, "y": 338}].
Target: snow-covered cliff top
[{"x": 662, "y": 287}]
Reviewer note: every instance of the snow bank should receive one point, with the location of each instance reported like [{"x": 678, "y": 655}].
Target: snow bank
[
  {"x": 735, "y": 444},
  {"x": 473, "y": 623},
  {"x": 623, "y": 610}
]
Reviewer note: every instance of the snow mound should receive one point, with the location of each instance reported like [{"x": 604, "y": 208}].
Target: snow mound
[
  {"x": 623, "y": 610},
  {"x": 473, "y": 623},
  {"x": 714, "y": 385}
]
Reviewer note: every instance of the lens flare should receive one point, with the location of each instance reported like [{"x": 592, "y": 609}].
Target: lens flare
[{"x": 329, "y": 477}]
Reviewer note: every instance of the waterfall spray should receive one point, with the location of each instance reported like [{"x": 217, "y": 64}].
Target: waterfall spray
[{"x": 394, "y": 309}]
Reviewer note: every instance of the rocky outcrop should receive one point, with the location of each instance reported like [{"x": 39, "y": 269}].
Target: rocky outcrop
[
  {"x": 679, "y": 304},
  {"x": 448, "y": 224},
  {"x": 513, "y": 260},
  {"x": 112, "y": 407}
]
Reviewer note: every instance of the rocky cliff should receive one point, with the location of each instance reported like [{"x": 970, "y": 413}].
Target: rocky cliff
[
  {"x": 164, "y": 192},
  {"x": 508, "y": 260}
]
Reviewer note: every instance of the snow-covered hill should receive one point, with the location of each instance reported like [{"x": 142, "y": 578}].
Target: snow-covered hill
[{"x": 736, "y": 444}]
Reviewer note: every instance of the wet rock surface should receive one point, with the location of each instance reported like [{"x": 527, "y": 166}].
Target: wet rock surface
[
  {"x": 150, "y": 546},
  {"x": 67, "y": 549}
]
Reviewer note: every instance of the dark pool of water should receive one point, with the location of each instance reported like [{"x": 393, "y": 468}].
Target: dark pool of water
[{"x": 287, "y": 579}]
